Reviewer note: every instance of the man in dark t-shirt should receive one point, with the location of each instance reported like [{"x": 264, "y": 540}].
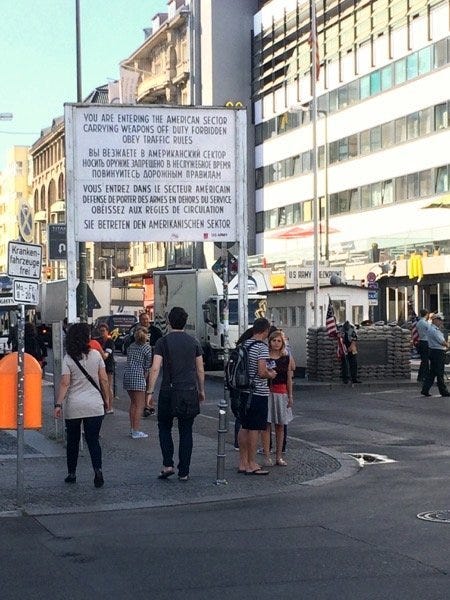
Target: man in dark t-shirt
[{"x": 180, "y": 356}]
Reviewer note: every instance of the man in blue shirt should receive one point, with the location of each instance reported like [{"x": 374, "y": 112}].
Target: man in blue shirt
[
  {"x": 438, "y": 346},
  {"x": 422, "y": 347}
]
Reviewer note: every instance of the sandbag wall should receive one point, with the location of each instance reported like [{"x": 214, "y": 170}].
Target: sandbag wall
[{"x": 384, "y": 352}]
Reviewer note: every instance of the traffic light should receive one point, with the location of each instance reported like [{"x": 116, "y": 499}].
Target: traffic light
[{"x": 48, "y": 273}]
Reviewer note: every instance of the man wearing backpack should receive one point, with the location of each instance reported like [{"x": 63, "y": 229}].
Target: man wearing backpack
[{"x": 253, "y": 404}]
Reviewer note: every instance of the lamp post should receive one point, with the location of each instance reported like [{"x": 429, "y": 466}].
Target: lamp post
[{"x": 316, "y": 207}]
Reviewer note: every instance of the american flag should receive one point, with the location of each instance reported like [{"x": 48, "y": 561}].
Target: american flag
[
  {"x": 332, "y": 331},
  {"x": 414, "y": 332},
  {"x": 330, "y": 321}
]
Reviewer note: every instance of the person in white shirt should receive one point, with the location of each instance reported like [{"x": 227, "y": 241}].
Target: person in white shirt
[
  {"x": 423, "y": 325},
  {"x": 438, "y": 347}
]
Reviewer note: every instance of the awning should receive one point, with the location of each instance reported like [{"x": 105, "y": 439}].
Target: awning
[
  {"x": 301, "y": 231},
  {"x": 41, "y": 215},
  {"x": 441, "y": 202}
]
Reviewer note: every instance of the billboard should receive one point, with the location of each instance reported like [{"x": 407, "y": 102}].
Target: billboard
[{"x": 153, "y": 173}]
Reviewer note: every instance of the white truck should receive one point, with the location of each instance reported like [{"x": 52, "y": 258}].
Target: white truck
[{"x": 199, "y": 292}]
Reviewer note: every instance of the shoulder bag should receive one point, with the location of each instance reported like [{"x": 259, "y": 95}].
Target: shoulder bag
[
  {"x": 89, "y": 378},
  {"x": 184, "y": 402}
]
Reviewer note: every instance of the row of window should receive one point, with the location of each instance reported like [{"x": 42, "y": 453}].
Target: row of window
[
  {"x": 412, "y": 186},
  {"x": 343, "y": 27},
  {"x": 406, "y": 128},
  {"x": 414, "y": 65}
]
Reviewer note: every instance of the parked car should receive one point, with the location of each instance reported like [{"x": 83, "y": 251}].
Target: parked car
[{"x": 118, "y": 323}]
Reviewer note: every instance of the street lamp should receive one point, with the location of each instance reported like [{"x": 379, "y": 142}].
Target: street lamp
[{"x": 316, "y": 206}]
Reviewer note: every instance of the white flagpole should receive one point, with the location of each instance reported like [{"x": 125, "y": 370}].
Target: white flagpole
[{"x": 316, "y": 208}]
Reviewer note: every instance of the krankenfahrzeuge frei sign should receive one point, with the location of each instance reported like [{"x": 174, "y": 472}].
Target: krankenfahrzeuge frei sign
[{"x": 153, "y": 173}]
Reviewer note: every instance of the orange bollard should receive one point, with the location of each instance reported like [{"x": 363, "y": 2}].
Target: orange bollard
[{"x": 9, "y": 389}]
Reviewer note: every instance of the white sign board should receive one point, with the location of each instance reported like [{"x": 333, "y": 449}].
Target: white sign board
[
  {"x": 7, "y": 301},
  {"x": 24, "y": 260},
  {"x": 26, "y": 292},
  {"x": 152, "y": 173},
  {"x": 298, "y": 276}
]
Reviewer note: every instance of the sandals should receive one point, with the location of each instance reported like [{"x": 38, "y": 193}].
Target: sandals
[
  {"x": 257, "y": 472},
  {"x": 165, "y": 474},
  {"x": 281, "y": 463}
]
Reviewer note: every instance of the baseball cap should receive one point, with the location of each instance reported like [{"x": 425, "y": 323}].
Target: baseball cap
[{"x": 438, "y": 315}]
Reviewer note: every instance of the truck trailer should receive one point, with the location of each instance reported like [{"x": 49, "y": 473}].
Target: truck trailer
[{"x": 200, "y": 293}]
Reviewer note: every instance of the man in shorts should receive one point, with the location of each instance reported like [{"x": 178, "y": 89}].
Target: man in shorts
[{"x": 253, "y": 405}]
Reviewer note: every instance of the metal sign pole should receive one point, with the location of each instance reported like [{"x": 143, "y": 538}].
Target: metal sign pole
[
  {"x": 224, "y": 402},
  {"x": 20, "y": 403}
]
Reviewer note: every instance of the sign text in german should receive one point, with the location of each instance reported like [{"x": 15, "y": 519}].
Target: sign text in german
[{"x": 24, "y": 260}]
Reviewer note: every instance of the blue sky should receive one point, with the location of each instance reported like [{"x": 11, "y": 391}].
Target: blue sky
[{"x": 38, "y": 56}]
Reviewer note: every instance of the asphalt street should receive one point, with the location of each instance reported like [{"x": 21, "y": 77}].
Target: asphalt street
[{"x": 340, "y": 532}]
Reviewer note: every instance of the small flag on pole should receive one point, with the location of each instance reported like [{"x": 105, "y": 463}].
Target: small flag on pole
[
  {"x": 332, "y": 330},
  {"x": 314, "y": 44}
]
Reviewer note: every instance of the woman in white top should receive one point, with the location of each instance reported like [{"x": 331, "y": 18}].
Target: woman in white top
[{"x": 83, "y": 401}]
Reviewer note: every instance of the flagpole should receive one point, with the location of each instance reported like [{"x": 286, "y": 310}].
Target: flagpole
[{"x": 316, "y": 208}]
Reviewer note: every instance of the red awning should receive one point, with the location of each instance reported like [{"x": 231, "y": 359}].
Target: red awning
[{"x": 301, "y": 231}]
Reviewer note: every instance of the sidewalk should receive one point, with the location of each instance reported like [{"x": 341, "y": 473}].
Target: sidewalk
[{"x": 131, "y": 467}]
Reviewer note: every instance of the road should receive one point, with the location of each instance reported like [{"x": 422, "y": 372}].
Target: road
[{"x": 350, "y": 538}]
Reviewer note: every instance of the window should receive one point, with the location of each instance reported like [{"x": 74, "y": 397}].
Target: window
[
  {"x": 425, "y": 119},
  {"x": 296, "y": 213},
  {"x": 259, "y": 178},
  {"x": 364, "y": 87},
  {"x": 354, "y": 200},
  {"x": 400, "y": 130},
  {"x": 334, "y": 204},
  {"x": 400, "y": 188},
  {"x": 333, "y": 155},
  {"x": 375, "y": 192},
  {"x": 365, "y": 196},
  {"x": 353, "y": 91},
  {"x": 343, "y": 96},
  {"x": 364, "y": 142},
  {"x": 440, "y": 53},
  {"x": 412, "y": 65},
  {"x": 388, "y": 134},
  {"x": 412, "y": 185},
  {"x": 344, "y": 201},
  {"x": 259, "y": 223},
  {"x": 400, "y": 71},
  {"x": 386, "y": 78},
  {"x": 441, "y": 180},
  {"x": 306, "y": 161},
  {"x": 375, "y": 83},
  {"x": 375, "y": 138},
  {"x": 333, "y": 99},
  {"x": 425, "y": 183},
  {"x": 424, "y": 60},
  {"x": 387, "y": 192},
  {"x": 352, "y": 145},
  {"x": 412, "y": 123},
  {"x": 343, "y": 149},
  {"x": 441, "y": 116},
  {"x": 307, "y": 211}
]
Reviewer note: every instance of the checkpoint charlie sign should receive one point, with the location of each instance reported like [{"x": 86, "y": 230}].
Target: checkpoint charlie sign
[{"x": 154, "y": 173}]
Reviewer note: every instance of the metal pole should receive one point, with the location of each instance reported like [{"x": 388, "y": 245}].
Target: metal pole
[
  {"x": 324, "y": 113},
  {"x": 82, "y": 257},
  {"x": 314, "y": 135},
  {"x": 224, "y": 403},
  {"x": 20, "y": 403}
]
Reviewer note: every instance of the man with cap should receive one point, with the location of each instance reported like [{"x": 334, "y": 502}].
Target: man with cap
[{"x": 438, "y": 347}]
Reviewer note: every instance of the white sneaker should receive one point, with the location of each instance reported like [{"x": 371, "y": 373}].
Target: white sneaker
[{"x": 136, "y": 435}]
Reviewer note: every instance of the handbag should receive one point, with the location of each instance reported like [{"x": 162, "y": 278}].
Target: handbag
[
  {"x": 184, "y": 402},
  {"x": 89, "y": 378}
]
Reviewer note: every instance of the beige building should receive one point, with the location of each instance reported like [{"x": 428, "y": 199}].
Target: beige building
[{"x": 14, "y": 192}]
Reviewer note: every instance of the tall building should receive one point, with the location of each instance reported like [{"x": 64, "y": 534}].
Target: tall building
[
  {"x": 14, "y": 192},
  {"x": 383, "y": 143}
]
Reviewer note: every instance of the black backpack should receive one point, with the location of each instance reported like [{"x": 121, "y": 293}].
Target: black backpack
[{"x": 236, "y": 370}]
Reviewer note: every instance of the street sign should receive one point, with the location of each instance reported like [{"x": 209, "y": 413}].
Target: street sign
[
  {"x": 26, "y": 292},
  {"x": 6, "y": 301},
  {"x": 24, "y": 260},
  {"x": 371, "y": 276},
  {"x": 218, "y": 267},
  {"x": 26, "y": 221},
  {"x": 57, "y": 241},
  {"x": 373, "y": 297},
  {"x": 373, "y": 285}
]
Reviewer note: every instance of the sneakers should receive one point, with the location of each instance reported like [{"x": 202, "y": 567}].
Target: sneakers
[
  {"x": 136, "y": 435},
  {"x": 71, "y": 478}
]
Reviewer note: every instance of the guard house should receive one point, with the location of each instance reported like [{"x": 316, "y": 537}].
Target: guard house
[{"x": 293, "y": 311}]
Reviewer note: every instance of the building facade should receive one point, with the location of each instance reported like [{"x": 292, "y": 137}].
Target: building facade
[
  {"x": 383, "y": 142},
  {"x": 14, "y": 191}
]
